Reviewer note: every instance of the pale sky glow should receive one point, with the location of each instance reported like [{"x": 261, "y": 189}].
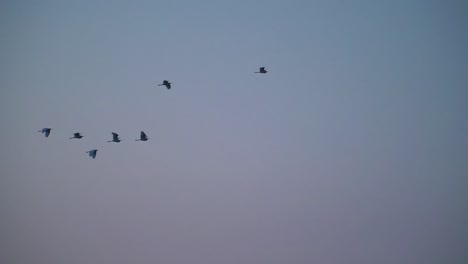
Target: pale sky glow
[{"x": 351, "y": 149}]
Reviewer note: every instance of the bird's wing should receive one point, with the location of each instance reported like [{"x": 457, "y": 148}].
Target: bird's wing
[
  {"x": 142, "y": 135},
  {"x": 115, "y": 136},
  {"x": 262, "y": 68},
  {"x": 47, "y": 132}
]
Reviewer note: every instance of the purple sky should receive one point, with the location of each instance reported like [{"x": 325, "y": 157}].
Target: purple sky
[{"x": 352, "y": 149}]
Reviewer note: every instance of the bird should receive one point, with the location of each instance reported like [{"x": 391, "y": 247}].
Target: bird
[
  {"x": 76, "y": 135},
  {"x": 166, "y": 83},
  {"x": 262, "y": 70},
  {"x": 143, "y": 137},
  {"x": 46, "y": 131},
  {"x": 92, "y": 153},
  {"x": 115, "y": 138}
]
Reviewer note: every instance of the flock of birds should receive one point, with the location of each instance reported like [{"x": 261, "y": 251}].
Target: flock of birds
[
  {"x": 92, "y": 153},
  {"x": 115, "y": 137}
]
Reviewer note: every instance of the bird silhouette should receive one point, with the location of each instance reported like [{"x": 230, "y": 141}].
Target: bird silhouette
[
  {"x": 166, "y": 83},
  {"x": 92, "y": 153},
  {"x": 46, "y": 131},
  {"x": 262, "y": 70},
  {"x": 76, "y": 135},
  {"x": 143, "y": 137},
  {"x": 115, "y": 138}
]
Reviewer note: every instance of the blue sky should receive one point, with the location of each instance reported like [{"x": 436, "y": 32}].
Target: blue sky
[{"x": 352, "y": 149}]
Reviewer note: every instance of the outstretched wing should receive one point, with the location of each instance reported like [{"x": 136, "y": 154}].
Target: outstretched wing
[
  {"x": 115, "y": 136},
  {"x": 262, "y": 69},
  {"x": 143, "y": 136},
  {"x": 47, "y": 132},
  {"x": 92, "y": 153}
]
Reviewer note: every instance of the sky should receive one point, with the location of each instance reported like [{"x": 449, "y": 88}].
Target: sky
[{"x": 351, "y": 149}]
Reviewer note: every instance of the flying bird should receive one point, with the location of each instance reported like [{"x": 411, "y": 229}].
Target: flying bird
[
  {"x": 46, "y": 131},
  {"x": 92, "y": 153},
  {"x": 115, "y": 138},
  {"x": 76, "y": 135},
  {"x": 262, "y": 70},
  {"x": 143, "y": 137},
  {"x": 166, "y": 83}
]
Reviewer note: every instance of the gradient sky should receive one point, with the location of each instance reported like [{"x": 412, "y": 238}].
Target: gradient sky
[{"x": 352, "y": 149}]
